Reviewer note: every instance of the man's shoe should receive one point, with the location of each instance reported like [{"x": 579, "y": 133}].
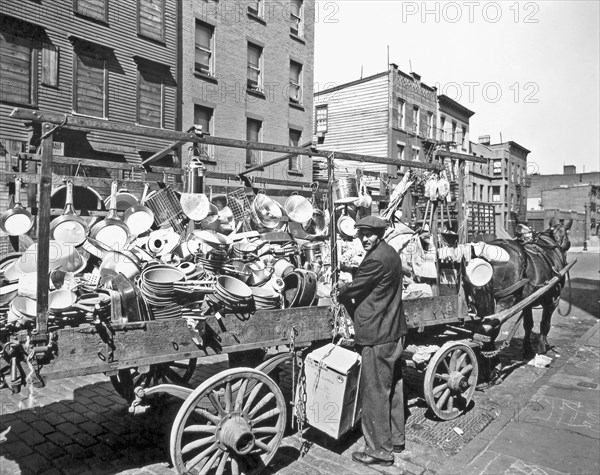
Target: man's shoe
[
  {"x": 368, "y": 460},
  {"x": 398, "y": 448}
]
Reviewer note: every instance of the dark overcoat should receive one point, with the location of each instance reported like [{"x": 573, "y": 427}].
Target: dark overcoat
[{"x": 374, "y": 297}]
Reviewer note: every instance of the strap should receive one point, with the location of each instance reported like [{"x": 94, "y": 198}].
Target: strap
[{"x": 510, "y": 290}]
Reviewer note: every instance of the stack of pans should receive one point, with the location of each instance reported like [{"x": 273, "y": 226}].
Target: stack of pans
[
  {"x": 213, "y": 261},
  {"x": 265, "y": 298},
  {"x": 232, "y": 294},
  {"x": 156, "y": 285}
]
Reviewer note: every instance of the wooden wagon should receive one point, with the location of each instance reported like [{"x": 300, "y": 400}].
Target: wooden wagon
[{"x": 235, "y": 420}]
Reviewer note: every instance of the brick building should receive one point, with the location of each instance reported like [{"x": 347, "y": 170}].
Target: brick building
[{"x": 249, "y": 76}]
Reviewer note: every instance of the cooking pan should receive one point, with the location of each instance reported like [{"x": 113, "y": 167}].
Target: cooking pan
[
  {"x": 298, "y": 208},
  {"x": 139, "y": 218},
  {"x": 111, "y": 231},
  {"x": 84, "y": 198},
  {"x": 16, "y": 220},
  {"x": 69, "y": 228},
  {"x": 64, "y": 299}
]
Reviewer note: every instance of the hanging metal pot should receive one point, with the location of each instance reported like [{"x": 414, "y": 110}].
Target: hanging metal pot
[
  {"x": 139, "y": 218},
  {"x": 69, "y": 228},
  {"x": 345, "y": 190},
  {"x": 17, "y": 220},
  {"x": 266, "y": 213},
  {"x": 111, "y": 231}
]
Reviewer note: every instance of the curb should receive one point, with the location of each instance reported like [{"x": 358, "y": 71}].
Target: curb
[{"x": 480, "y": 443}]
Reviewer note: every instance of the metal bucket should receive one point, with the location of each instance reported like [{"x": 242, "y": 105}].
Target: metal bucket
[{"x": 345, "y": 190}]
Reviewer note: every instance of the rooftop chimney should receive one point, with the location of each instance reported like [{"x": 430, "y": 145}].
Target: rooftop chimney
[
  {"x": 569, "y": 170},
  {"x": 484, "y": 139}
]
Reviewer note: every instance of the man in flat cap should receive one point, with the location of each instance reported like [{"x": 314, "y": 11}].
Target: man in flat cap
[{"x": 374, "y": 300}]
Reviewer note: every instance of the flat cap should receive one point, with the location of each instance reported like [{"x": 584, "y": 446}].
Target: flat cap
[{"x": 372, "y": 222}]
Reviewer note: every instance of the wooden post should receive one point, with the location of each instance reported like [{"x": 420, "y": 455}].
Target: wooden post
[
  {"x": 460, "y": 203},
  {"x": 332, "y": 221},
  {"x": 43, "y": 249}
]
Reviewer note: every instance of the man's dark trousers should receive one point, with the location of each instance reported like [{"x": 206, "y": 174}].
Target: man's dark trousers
[{"x": 382, "y": 398}]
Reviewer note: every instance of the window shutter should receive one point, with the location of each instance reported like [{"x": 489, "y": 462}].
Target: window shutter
[
  {"x": 150, "y": 99},
  {"x": 16, "y": 69},
  {"x": 151, "y": 16},
  {"x": 49, "y": 65},
  {"x": 90, "y": 84},
  {"x": 96, "y": 9}
]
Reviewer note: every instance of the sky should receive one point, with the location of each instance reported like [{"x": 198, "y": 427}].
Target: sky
[{"x": 529, "y": 70}]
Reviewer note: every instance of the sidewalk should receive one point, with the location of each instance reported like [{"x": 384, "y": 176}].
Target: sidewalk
[{"x": 556, "y": 431}]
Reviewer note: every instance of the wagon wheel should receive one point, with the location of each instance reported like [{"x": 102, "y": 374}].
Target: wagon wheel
[
  {"x": 450, "y": 380},
  {"x": 175, "y": 372},
  {"x": 223, "y": 430}
]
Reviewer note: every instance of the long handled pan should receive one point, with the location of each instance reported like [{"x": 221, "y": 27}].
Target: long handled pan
[
  {"x": 17, "y": 220},
  {"x": 111, "y": 231},
  {"x": 139, "y": 218},
  {"x": 69, "y": 228}
]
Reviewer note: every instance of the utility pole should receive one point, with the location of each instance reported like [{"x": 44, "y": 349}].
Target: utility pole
[{"x": 585, "y": 226}]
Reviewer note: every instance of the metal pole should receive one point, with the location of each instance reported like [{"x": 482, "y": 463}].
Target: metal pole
[{"x": 585, "y": 225}]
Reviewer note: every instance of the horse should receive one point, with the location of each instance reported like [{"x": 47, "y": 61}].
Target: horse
[{"x": 531, "y": 265}]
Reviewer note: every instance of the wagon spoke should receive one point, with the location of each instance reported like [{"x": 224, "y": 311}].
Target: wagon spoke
[
  {"x": 222, "y": 463},
  {"x": 240, "y": 395},
  {"x": 466, "y": 369},
  {"x": 196, "y": 444},
  {"x": 234, "y": 467},
  {"x": 208, "y": 465},
  {"x": 439, "y": 388},
  {"x": 253, "y": 395},
  {"x": 262, "y": 403},
  {"x": 265, "y": 430},
  {"x": 266, "y": 415},
  {"x": 200, "y": 428},
  {"x": 446, "y": 365},
  {"x": 453, "y": 359},
  {"x": 201, "y": 456},
  {"x": 445, "y": 377},
  {"x": 214, "y": 399},
  {"x": 262, "y": 445},
  {"x": 461, "y": 360},
  {"x": 442, "y": 400},
  {"x": 451, "y": 404},
  {"x": 228, "y": 397},
  {"x": 204, "y": 413}
]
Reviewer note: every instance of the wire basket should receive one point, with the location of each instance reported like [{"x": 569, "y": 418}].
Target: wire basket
[
  {"x": 167, "y": 209},
  {"x": 239, "y": 204}
]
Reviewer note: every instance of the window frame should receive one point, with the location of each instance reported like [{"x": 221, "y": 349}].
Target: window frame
[
  {"x": 258, "y": 87},
  {"x": 401, "y": 109},
  {"x": 160, "y": 38},
  {"x": 208, "y": 149},
  {"x": 416, "y": 120},
  {"x": 497, "y": 167},
  {"x": 99, "y": 54},
  {"x": 253, "y": 157},
  {"x": 464, "y": 137},
  {"x": 297, "y": 19},
  {"x": 298, "y": 85},
  {"x": 295, "y": 159},
  {"x": 162, "y": 98},
  {"x": 453, "y": 134},
  {"x": 442, "y": 126},
  {"x": 430, "y": 128},
  {"x": 320, "y": 108},
  {"x": 85, "y": 12},
  {"x": 400, "y": 151},
  {"x": 33, "y": 86},
  {"x": 259, "y": 10},
  {"x": 211, "y": 50}
]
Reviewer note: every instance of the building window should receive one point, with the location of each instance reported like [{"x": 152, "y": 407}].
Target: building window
[
  {"x": 95, "y": 9},
  {"x": 297, "y": 17},
  {"x": 453, "y": 137},
  {"x": 253, "y": 133},
  {"x": 415, "y": 154},
  {"x": 203, "y": 116},
  {"x": 256, "y": 8},
  {"x": 91, "y": 82},
  {"x": 151, "y": 19},
  {"x": 204, "y": 61},
  {"x": 321, "y": 117},
  {"x": 464, "y": 138},
  {"x": 416, "y": 117},
  {"x": 18, "y": 59},
  {"x": 255, "y": 79},
  {"x": 442, "y": 127},
  {"x": 295, "y": 162},
  {"x": 400, "y": 152},
  {"x": 295, "y": 82},
  {"x": 495, "y": 194},
  {"x": 151, "y": 98},
  {"x": 497, "y": 164},
  {"x": 430, "y": 125},
  {"x": 401, "y": 105}
]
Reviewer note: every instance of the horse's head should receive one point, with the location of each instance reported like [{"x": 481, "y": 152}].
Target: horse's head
[{"x": 560, "y": 233}]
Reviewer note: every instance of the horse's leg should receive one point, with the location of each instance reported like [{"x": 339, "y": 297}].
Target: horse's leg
[
  {"x": 548, "y": 309},
  {"x": 527, "y": 326}
]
